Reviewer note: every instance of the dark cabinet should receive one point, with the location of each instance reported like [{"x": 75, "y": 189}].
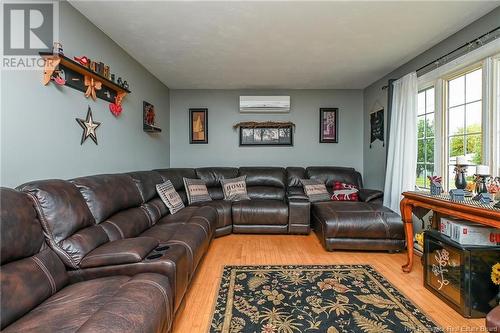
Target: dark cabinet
[{"x": 460, "y": 275}]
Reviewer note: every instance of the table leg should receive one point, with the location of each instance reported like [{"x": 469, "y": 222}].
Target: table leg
[{"x": 406, "y": 214}]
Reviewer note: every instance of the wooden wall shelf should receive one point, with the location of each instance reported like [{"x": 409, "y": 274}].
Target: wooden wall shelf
[
  {"x": 151, "y": 129},
  {"x": 75, "y": 74}
]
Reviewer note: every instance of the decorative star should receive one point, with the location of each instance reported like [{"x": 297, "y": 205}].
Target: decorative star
[{"x": 89, "y": 127}]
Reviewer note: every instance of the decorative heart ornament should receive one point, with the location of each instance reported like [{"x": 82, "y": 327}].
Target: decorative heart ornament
[{"x": 115, "y": 109}]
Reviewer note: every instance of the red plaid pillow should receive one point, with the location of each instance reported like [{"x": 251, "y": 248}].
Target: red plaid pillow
[{"x": 344, "y": 192}]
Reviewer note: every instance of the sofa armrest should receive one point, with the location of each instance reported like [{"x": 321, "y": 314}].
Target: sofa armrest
[
  {"x": 367, "y": 195},
  {"x": 299, "y": 215},
  {"x": 122, "y": 251},
  {"x": 296, "y": 192}
]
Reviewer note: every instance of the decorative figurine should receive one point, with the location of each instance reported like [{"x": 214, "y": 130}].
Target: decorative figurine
[
  {"x": 484, "y": 198},
  {"x": 457, "y": 195},
  {"x": 482, "y": 175},
  {"x": 119, "y": 81},
  {"x": 57, "y": 48},
  {"x": 460, "y": 171},
  {"x": 436, "y": 187},
  {"x": 113, "y": 77},
  {"x": 58, "y": 77},
  {"x": 83, "y": 60},
  {"x": 125, "y": 84}
]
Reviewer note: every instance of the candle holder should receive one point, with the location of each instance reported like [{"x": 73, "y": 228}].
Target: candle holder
[
  {"x": 481, "y": 183},
  {"x": 460, "y": 181}
]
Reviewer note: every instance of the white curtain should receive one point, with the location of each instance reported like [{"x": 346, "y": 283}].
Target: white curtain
[{"x": 400, "y": 174}]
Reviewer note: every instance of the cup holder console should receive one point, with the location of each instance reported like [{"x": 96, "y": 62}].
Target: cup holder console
[{"x": 158, "y": 252}]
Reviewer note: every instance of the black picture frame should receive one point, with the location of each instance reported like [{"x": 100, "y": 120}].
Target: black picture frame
[
  {"x": 198, "y": 126},
  {"x": 323, "y": 114},
  {"x": 276, "y": 136}
]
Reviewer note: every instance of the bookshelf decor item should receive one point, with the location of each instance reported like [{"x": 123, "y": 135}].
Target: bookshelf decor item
[
  {"x": 90, "y": 77},
  {"x": 436, "y": 187},
  {"x": 457, "y": 195},
  {"x": 461, "y": 165}
]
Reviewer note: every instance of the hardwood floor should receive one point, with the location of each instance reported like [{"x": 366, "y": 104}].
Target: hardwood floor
[{"x": 195, "y": 314}]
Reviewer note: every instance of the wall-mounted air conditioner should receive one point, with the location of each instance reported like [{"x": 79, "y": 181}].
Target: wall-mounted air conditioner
[{"x": 264, "y": 104}]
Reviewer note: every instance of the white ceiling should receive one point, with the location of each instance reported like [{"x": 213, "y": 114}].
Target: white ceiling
[{"x": 263, "y": 45}]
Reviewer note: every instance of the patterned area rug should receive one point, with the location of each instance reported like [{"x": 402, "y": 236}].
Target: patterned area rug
[{"x": 288, "y": 299}]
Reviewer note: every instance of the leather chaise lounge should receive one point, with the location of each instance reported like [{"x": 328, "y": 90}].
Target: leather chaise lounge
[{"x": 92, "y": 239}]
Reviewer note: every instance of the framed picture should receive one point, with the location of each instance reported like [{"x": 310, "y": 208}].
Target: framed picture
[
  {"x": 198, "y": 125},
  {"x": 266, "y": 136},
  {"x": 328, "y": 125}
]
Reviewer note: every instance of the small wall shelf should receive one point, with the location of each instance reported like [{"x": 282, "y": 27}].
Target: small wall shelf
[
  {"x": 75, "y": 74},
  {"x": 151, "y": 129}
]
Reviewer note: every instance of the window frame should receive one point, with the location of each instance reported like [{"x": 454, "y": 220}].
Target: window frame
[
  {"x": 445, "y": 158},
  {"x": 487, "y": 57},
  {"x": 425, "y": 139}
]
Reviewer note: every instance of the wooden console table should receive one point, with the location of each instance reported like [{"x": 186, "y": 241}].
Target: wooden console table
[{"x": 441, "y": 204}]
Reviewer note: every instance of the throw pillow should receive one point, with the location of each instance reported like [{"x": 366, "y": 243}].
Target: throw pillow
[
  {"x": 235, "y": 189},
  {"x": 196, "y": 190},
  {"x": 345, "y": 192},
  {"x": 169, "y": 196},
  {"x": 315, "y": 190}
]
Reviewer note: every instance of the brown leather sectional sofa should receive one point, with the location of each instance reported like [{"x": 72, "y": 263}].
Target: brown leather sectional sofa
[{"x": 102, "y": 253}]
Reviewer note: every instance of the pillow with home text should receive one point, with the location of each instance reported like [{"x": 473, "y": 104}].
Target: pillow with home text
[
  {"x": 315, "y": 190},
  {"x": 345, "y": 192}
]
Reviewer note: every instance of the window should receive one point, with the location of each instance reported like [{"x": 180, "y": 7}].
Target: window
[
  {"x": 464, "y": 112},
  {"x": 426, "y": 133}
]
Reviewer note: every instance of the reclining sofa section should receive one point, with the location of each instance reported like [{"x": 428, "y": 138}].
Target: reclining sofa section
[{"x": 111, "y": 236}]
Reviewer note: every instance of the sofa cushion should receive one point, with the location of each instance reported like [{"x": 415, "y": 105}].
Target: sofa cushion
[
  {"x": 169, "y": 196},
  {"x": 224, "y": 215},
  {"x": 20, "y": 234},
  {"x": 142, "y": 303},
  {"x": 146, "y": 182},
  {"x": 212, "y": 177},
  {"x": 30, "y": 272},
  {"x": 235, "y": 189},
  {"x": 342, "y": 219},
  {"x": 196, "y": 190},
  {"x": 329, "y": 175},
  {"x": 315, "y": 190},
  {"x": 176, "y": 175},
  {"x": 108, "y": 194},
  {"x": 260, "y": 212},
  {"x": 345, "y": 192},
  {"x": 122, "y": 251},
  {"x": 266, "y": 183},
  {"x": 67, "y": 222}
]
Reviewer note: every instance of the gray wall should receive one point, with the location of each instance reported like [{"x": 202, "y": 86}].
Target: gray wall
[
  {"x": 39, "y": 135},
  {"x": 223, "y": 112},
  {"x": 374, "y": 159}
]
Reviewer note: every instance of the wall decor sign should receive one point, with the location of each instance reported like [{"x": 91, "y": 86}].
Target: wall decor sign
[
  {"x": 328, "y": 125},
  {"x": 149, "y": 118},
  {"x": 89, "y": 127},
  {"x": 377, "y": 126},
  {"x": 198, "y": 125}
]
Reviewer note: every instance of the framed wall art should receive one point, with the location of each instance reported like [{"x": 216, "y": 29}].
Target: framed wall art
[
  {"x": 266, "y": 136},
  {"x": 149, "y": 118},
  {"x": 198, "y": 126},
  {"x": 328, "y": 125}
]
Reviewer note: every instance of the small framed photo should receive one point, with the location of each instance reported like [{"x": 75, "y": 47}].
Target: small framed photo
[
  {"x": 198, "y": 125},
  {"x": 328, "y": 125}
]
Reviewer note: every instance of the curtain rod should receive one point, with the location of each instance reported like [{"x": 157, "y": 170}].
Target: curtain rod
[{"x": 464, "y": 49}]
